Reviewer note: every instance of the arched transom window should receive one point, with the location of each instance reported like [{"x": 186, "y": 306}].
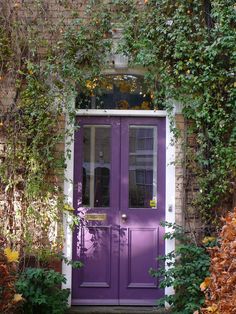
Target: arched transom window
[{"x": 116, "y": 92}]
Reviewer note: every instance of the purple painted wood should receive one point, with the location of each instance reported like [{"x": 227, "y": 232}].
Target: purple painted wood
[
  {"x": 141, "y": 235},
  {"x": 118, "y": 254},
  {"x": 97, "y": 243}
]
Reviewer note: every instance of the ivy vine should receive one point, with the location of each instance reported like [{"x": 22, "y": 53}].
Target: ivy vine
[
  {"x": 42, "y": 67},
  {"x": 188, "y": 48},
  {"x": 188, "y": 51}
]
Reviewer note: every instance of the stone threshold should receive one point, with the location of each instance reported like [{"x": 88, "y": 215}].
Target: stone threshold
[{"x": 116, "y": 310}]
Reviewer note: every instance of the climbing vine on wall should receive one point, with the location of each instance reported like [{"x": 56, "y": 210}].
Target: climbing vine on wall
[
  {"x": 42, "y": 66},
  {"x": 50, "y": 50},
  {"x": 188, "y": 48}
]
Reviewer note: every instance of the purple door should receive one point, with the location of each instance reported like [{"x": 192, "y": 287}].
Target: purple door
[{"x": 120, "y": 191}]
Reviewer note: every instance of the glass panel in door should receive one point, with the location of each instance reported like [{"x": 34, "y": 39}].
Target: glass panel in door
[
  {"x": 142, "y": 166},
  {"x": 96, "y": 166}
]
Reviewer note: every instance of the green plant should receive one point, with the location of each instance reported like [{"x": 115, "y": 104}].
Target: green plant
[
  {"x": 187, "y": 267},
  {"x": 44, "y": 75},
  {"x": 9, "y": 299},
  {"x": 188, "y": 49},
  {"x": 42, "y": 292},
  {"x": 43, "y": 65}
]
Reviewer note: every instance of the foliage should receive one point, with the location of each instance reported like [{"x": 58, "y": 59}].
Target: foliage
[
  {"x": 187, "y": 266},
  {"x": 189, "y": 55},
  {"x": 9, "y": 299},
  {"x": 42, "y": 292},
  {"x": 220, "y": 286},
  {"x": 188, "y": 48},
  {"x": 41, "y": 67},
  {"x": 31, "y": 290},
  {"x": 74, "y": 264}
]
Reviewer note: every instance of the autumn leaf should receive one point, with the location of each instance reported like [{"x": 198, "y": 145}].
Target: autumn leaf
[
  {"x": 68, "y": 207},
  {"x": 17, "y": 298},
  {"x": 212, "y": 309},
  {"x": 234, "y": 222},
  {"x": 205, "y": 283},
  {"x": 228, "y": 219},
  {"x": 208, "y": 239},
  {"x": 12, "y": 256}
]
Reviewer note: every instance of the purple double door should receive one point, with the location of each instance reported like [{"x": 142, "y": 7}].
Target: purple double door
[{"x": 119, "y": 180}]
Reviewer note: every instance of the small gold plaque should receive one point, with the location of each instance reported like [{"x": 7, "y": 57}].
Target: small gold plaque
[
  {"x": 96, "y": 217},
  {"x": 153, "y": 203}
]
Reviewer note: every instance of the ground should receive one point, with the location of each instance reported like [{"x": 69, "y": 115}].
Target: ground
[{"x": 115, "y": 310}]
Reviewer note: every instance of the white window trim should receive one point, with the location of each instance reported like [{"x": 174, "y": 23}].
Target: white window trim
[
  {"x": 121, "y": 113},
  {"x": 170, "y": 182}
]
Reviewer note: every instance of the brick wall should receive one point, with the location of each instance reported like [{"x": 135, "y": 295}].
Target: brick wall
[
  {"x": 179, "y": 171},
  {"x": 60, "y": 15},
  {"x": 186, "y": 185}
]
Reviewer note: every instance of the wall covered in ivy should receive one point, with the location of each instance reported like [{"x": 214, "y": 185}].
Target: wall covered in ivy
[{"x": 50, "y": 50}]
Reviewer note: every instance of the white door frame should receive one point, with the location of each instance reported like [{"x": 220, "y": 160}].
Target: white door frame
[{"x": 170, "y": 181}]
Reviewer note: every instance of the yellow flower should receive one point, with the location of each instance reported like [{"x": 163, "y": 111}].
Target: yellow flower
[
  {"x": 12, "y": 256},
  {"x": 17, "y": 298},
  {"x": 234, "y": 84}
]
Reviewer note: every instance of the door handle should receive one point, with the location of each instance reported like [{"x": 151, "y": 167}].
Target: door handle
[{"x": 124, "y": 217}]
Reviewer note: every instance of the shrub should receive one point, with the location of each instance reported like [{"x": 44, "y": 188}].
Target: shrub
[
  {"x": 9, "y": 299},
  {"x": 188, "y": 265},
  {"x": 42, "y": 290},
  {"x": 220, "y": 286}
]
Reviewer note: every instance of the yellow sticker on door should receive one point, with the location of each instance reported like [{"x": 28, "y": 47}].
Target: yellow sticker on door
[{"x": 153, "y": 203}]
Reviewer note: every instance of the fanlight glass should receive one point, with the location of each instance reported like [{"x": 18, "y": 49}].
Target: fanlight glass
[{"x": 116, "y": 92}]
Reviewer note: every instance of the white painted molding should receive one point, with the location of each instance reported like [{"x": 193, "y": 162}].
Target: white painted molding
[
  {"x": 68, "y": 192},
  {"x": 170, "y": 192},
  {"x": 121, "y": 113},
  {"x": 130, "y": 71},
  {"x": 170, "y": 182}
]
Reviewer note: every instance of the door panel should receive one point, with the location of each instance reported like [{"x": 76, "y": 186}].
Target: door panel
[
  {"x": 97, "y": 242},
  {"x": 138, "y": 276},
  {"x": 97, "y": 171},
  {"x": 143, "y": 206},
  {"x": 120, "y": 190}
]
